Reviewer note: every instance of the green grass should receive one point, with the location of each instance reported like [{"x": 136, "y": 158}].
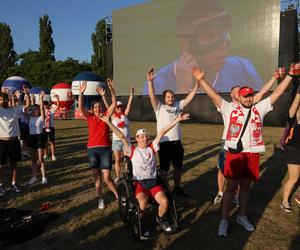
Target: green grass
[{"x": 82, "y": 226}]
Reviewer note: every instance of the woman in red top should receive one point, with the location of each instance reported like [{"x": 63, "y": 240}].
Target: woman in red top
[{"x": 99, "y": 144}]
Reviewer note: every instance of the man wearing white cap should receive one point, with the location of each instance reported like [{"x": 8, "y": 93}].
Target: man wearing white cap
[
  {"x": 244, "y": 142},
  {"x": 171, "y": 149},
  {"x": 144, "y": 167}
]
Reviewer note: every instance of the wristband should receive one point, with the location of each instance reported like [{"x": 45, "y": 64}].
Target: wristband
[{"x": 290, "y": 75}]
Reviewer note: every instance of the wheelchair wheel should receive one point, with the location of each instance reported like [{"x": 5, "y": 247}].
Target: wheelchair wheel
[
  {"x": 124, "y": 200},
  {"x": 172, "y": 216},
  {"x": 135, "y": 222}
]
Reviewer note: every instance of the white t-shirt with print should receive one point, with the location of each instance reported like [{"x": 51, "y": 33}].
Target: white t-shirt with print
[
  {"x": 263, "y": 107},
  {"x": 51, "y": 118},
  {"x": 36, "y": 125},
  {"x": 143, "y": 161},
  {"x": 122, "y": 123},
  {"x": 166, "y": 114},
  {"x": 9, "y": 121}
]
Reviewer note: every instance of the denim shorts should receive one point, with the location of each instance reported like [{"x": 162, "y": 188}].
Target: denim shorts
[
  {"x": 100, "y": 157},
  {"x": 117, "y": 145}
]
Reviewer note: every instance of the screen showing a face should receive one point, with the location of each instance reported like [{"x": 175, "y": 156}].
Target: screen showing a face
[{"x": 235, "y": 42}]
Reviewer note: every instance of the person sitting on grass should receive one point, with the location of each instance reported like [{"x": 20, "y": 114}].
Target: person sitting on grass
[{"x": 144, "y": 168}]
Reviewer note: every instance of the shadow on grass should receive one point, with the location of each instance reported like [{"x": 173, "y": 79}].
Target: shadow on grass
[{"x": 201, "y": 222}]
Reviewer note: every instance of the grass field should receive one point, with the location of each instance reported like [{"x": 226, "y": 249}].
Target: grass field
[{"x": 81, "y": 225}]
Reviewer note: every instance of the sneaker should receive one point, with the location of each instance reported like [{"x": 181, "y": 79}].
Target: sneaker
[
  {"x": 2, "y": 190},
  {"x": 101, "y": 204},
  {"x": 178, "y": 191},
  {"x": 218, "y": 199},
  {"x": 236, "y": 200},
  {"x": 223, "y": 228},
  {"x": 53, "y": 158},
  {"x": 297, "y": 199},
  {"x": 32, "y": 180},
  {"x": 163, "y": 224},
  {"x": 44, "y": 180},
  {"x": 286, "y": 207},
  {"x": 16, "y": 188},
  {"x": 243, "y": 220}
]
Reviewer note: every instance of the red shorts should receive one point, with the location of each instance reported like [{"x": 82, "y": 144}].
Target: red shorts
[
  {"x": 149, "y": 192},
  {"x": 242, "y": 165}
]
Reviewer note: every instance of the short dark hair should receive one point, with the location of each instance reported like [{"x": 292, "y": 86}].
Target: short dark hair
[
  {"x": 167, "y": 91},
  {"x": 235, "y": 86},
  {"x": 4, "y": 95}
]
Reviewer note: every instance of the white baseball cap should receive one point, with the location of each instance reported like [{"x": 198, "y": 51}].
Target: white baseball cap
[
  {"x": 119, "y": 103},
  {"x": 141, "y": 131}
]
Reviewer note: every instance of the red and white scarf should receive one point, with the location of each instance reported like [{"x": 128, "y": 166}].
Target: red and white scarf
[{"x": 236, "y": 123}]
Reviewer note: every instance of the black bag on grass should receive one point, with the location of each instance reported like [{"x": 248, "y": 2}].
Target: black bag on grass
[{"x": 17, "y": 225}]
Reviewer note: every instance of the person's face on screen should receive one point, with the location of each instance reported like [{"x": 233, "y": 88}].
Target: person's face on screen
[
  {"x": 209, "y": 43},
  {"x": 169, "y": 98}
]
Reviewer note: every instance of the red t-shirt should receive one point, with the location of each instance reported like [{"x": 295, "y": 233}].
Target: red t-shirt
[{"x": 98, "y": 132}]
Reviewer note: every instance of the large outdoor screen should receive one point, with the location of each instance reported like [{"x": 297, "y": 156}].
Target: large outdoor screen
[{"x": 235, "y": 42}]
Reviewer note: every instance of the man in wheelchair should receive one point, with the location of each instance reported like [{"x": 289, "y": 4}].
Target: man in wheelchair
[{"x": 144, "y": 168}]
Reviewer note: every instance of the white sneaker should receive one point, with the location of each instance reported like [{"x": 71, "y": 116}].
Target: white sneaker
[
  {"x": 223, "y": 227},
  {"x": 101, "y": 204},
  {"x": 218, "y": 199},
  {"x": 32, "y": 180},
  {"x": 44, "y": 180},
  {"x": 243, "y": 220},
  {"x": 236, "y": 200},
  {"x": 53, "y": 158}
]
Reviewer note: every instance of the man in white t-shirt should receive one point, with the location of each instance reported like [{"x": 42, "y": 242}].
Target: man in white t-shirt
[
  {"x": 10, "y": 147},
  {"x": 234, "y": 94},
  {"x": 243, "y": 143},
  {"x": 171, "y": 149}
]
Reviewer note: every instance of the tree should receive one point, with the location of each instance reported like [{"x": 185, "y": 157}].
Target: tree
[
  {"x": 99, "y": 48},
  {"x": 46, "y": 42},
  {"x": 7, "y": 54}
]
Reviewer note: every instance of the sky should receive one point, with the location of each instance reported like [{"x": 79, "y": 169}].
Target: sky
[{"x": 73, "y": 22}]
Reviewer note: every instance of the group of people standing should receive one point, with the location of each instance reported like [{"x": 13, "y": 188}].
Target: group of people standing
[
  {"x": 22, "y": 127},
  {"x": 242, "y": 142}
]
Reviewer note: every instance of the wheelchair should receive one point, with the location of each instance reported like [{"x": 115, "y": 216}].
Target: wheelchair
[{"x": 129, "y": 209}]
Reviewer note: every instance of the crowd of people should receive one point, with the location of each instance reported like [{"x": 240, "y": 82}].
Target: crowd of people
[{"x": 238, "y": 161}]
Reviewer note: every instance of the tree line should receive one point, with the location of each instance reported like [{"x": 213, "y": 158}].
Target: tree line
[{"x": 40, "y": 67}]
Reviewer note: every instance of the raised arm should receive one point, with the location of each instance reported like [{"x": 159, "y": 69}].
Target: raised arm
[
  {"x": 116, "y": 131},
  {"x": 266, "y": 87},
  {"x": 83, "y": 110},
  {"x": 295, "y": 105},
  {"x": 128, "y": 107},
  {"x": 210, "y": 91},
  {"x": 191, "y": 95},
  {"x": 41, "y": 100},
  {"x": 282, "y": 87},
  {"x": 113, "y": 104},
  {"x": 153, "y": 98},
  {"x": 101, "y": 91},
  {"x": 26, "y": 97},
  {"x": 161, "y": 133}
]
